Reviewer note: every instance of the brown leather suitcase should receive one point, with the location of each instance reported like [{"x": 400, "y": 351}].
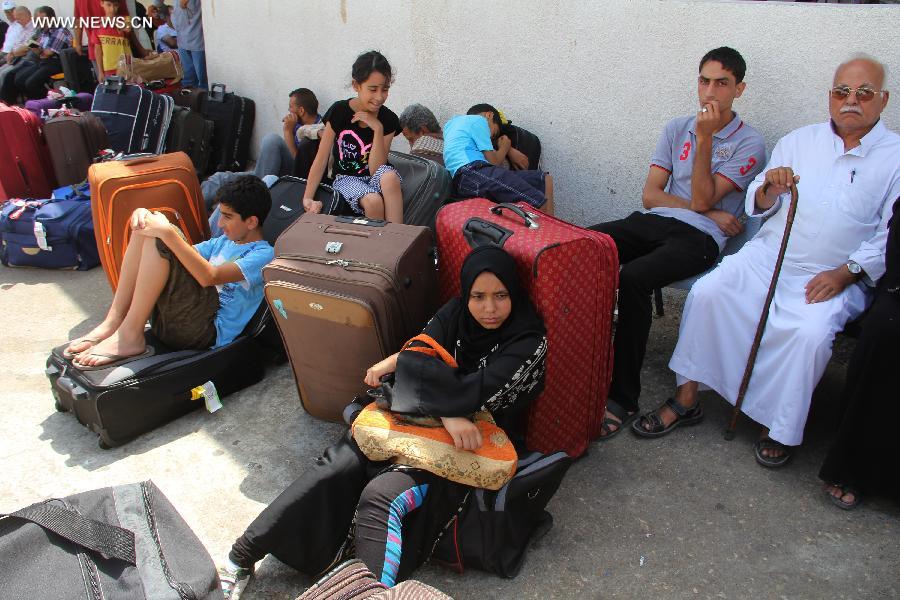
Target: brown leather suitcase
[
  {"x": 345, "y": 293},
  {"x": 74, "y": 141},
  {"x": 166, "y": 183}
]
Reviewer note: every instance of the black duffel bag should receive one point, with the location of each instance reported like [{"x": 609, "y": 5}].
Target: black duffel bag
[
  {"x": 123, "y": 542},
  {"x": 493, "y": 529}
]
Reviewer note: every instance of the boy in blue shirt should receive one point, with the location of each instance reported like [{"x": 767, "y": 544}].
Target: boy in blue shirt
[
  {"x": 473, "y": 162},
  {"x": 196, "y": 297}
]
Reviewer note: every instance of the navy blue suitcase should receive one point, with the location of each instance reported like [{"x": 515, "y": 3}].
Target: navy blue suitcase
[
  {"x": 136, "y": 119},
  {"x": 233, "y": 116},
  {"x": 51, "y": 234}
]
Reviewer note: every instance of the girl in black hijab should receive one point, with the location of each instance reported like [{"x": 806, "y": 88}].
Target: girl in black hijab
[{"x": 394, "y": 513}]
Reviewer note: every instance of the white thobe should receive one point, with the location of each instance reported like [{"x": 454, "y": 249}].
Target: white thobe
[{"x": 842, "y": 214}]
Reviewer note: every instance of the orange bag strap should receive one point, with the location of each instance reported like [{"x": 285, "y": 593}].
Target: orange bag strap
[{"x": 433, "y": 349}]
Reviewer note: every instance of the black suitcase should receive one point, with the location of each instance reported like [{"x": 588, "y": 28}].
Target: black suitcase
[
  {"x": 192, "y": 98},
  {"x": 190, "y": 133},
  {"x": 126, "y": 541},
  {"x": 129, "y": 398},
  {"x": 77, "y": 70},
  {"x": 136, "y": 119},
  {"x": 287, "y": 204},
  {"x": 233, "y": 116},
  {"x": 426, "y": 186}
]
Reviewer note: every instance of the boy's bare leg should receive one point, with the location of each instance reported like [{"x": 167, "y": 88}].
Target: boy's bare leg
[
  {"x": 372, "y": 205},
  {"x": 128, "y": 339},
  {"x": 548, "y": 194},
  {"x": 121, "y": 299},
  {"x": 393, "y": 197}
]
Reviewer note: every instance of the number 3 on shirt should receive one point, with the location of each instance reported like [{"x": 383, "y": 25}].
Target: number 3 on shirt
[
  {"x": 746, "y": 168},
  {"x": 686, "y": 151}
]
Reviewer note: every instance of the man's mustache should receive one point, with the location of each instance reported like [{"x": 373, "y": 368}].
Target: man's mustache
[{"x": 849, "y": 109}]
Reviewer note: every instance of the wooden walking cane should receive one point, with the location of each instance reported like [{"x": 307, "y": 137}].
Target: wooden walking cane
[{"x": 764, "y": 317}]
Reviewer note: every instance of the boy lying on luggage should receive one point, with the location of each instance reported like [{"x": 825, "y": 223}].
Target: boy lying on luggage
[
  {"x": 473, "y": 163},
  {"x": 196, "y": 297}
]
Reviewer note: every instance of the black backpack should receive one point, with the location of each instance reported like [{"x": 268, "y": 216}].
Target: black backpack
[
  {"x": 124, "y": 542},
  {"x": 493, "y": 529}
]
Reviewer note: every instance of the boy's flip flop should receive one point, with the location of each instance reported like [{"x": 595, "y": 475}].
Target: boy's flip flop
[
  {"x": 92, "y": 341},
  {"x": 114, "y": 359}
]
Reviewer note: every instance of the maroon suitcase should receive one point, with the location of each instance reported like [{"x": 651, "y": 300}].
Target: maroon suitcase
[
  {"x": 571, "y": 275},
  {"x": 25, "y": 170},
  {"x": 345, "y": 293},
  {"x": 74, "y": 141}
]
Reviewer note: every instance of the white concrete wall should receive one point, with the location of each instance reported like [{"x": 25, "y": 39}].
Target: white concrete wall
[{"x": 595, "y": 80}]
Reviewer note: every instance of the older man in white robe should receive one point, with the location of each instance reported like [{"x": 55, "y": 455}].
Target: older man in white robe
[{"x": 847, "y": 173}]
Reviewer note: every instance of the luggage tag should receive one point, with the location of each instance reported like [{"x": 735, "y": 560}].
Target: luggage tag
[
  {"x": 210, "y": 396},
  {"x": 40, "y": 234}
]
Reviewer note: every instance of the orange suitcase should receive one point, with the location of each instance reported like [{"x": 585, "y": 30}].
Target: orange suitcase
[{"x": 166, "y": 183}]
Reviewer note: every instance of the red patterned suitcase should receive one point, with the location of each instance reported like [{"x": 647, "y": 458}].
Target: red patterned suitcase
[
  {"x": 571, "y": 275},
  {"x": 25, "y": 170}
]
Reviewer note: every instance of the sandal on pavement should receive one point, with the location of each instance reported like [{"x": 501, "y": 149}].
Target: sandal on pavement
[
  {"x": 771, "y": 462},
  {"x": 839, "y": 501},
  {"x": 683, "y": 416},
  {"x": 624, "y": 420}
]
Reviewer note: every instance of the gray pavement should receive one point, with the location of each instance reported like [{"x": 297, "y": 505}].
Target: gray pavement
[{"x": 686, "y": 516}]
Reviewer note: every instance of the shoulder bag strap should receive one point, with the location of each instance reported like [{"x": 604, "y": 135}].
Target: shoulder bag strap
[{"x": 108, "y": 540}]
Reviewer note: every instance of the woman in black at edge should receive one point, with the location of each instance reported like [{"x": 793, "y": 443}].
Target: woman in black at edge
[{"x": 865, "y": 454}]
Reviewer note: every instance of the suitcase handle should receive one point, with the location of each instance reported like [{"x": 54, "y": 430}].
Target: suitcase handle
[
  {"x": 479, "y": 232},
  {"x": 528, "y": 218},
  {"x": 216, "y": 92},
  {"x": 114, "y": 83},
  {"x": 361, "y": 221},
  {"x": 342, "y": 231},
  {"x": 140, "y": 159}
]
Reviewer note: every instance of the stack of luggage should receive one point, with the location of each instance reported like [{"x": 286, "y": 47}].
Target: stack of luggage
[
  {"x": 52, "y": 143},
  {"x": 340, "y": 285}
]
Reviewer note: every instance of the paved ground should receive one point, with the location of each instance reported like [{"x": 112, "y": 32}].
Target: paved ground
[{"x": 688, "y": 516}]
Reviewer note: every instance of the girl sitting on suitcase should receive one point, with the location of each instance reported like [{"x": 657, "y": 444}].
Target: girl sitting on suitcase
[
  {"x": 196, "y": 297},
  {"x": 358, "y": 133},
  {"x": 391, "y": 515}
]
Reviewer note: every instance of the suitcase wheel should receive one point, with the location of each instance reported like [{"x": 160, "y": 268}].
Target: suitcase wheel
[{"x": 103, "y": 445}]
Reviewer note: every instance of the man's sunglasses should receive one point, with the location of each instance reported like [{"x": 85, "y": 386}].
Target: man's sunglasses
[{"x": 863, "y": 94}]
